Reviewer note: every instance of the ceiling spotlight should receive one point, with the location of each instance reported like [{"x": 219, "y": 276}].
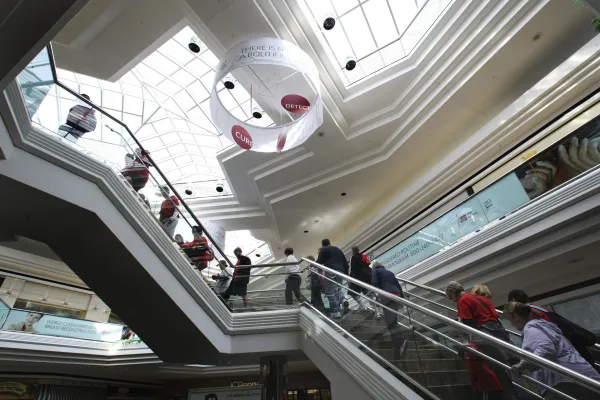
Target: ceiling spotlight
[
  {"x": 343, "y": 194},
  {"x": 257, "y": 255},
  {"x": 257, "y": 113},
  {"x": 220, "y": 187},
  {"x": 189, "y": 190},
  {"x": 305, "y": 231},
  {"x": 229, "y": 85},
  {"x": 194, "y": 44},
  {"x": 329, "y": 23},
  {"x": 350, "y": 64}
]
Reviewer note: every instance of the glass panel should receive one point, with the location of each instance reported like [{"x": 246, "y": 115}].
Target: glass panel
[
  {"x": 366, "y": 28},
  {"x": 35, "y": 81}
]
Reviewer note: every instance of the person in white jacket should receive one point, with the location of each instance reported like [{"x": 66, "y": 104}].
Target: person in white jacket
[
  {"x": 292, "y": 283},
  {"x": 223, "y": 278}
]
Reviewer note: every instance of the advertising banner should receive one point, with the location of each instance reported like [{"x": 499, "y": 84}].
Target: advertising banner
[
  {"x": 276, "y": 54},
  {"x": 45, "y": 324},
  {"x": 227, "y": 393}
]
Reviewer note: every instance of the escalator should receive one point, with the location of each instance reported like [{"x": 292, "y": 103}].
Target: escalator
[
  {"x": 79, "y": 203},
  {"x": 431, "y": 365}
]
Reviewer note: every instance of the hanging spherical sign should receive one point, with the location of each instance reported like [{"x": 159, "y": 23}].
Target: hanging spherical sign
[{"x": 283, "y": 86}]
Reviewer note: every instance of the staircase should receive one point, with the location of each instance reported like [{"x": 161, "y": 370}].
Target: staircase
[{"x": 436, "y": 368}]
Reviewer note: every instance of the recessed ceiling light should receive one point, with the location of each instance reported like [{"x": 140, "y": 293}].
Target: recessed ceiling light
[
  {"x": 343, "y": 193},
  {"x": 228, "y": 85},
  {"x": 316, "y": 220},
  {"x": 321, "y": 134},
  {"x": 536, "y": 37},
  {"x": 305, "y": 231},
  {"x": 257, "y": 255}
]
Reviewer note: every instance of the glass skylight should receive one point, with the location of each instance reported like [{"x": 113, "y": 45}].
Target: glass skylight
[
  {"x": 374, "y": 33},
  {"x": 164, "y": 101}
]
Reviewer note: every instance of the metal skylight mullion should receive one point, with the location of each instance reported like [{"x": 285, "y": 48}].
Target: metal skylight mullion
[
  {"x": 362, "y": 10},
  {"x": 160, "y": 104},
  {"x": 268, "y": 89},
  {"x": 196, "y": 57},
  {"x": 195, "y": 153},
  {"x": 400, "y": 38},
  {"x": 345, "y": 35},
  {"x": 158, "y": 135},
  {"x": 393, "y": 19},
  {"x": 324, "y": 36},
  {"x": 186, "y": 118}
]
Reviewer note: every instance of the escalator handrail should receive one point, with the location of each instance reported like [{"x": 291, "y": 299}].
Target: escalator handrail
[
  {"x": 139, "y": 145},
  {"x": 535, "y": 359},
  {"x": 441, "y": 293},
  {"x": 433, "y": 330},
  {"x": 372, "y": 352}
]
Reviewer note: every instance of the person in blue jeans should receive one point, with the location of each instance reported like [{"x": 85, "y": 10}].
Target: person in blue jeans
[
  {"x": 386, "y": 280},
  {"x": 334, "y": 258}
]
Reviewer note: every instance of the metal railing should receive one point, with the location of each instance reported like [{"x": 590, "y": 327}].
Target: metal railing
[
  {"x": 139, "y": 145},
  {"x": 442, "y": 293},
  {"x": 583, "y": 380}
]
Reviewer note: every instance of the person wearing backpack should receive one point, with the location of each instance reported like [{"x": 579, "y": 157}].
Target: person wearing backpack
[
  {"x": 579, "y": 337},
  {"x": 545, "y": 339},
  {"x": 359, "y": 269},
  {"x": 168, "y": 217}
]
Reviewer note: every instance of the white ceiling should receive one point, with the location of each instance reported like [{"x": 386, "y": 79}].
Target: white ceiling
[{"x": 383, "y": 137}]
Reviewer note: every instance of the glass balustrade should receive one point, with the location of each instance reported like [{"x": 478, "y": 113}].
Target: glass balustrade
[
  {"x": 441, "y": 353},
  {"x": 56, "y": 110}
]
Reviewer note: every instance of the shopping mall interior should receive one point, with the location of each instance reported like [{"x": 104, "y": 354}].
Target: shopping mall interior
[{"x": 257, "y": 199}]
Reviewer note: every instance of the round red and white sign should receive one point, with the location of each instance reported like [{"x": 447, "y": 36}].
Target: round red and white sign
[
  {"x": 241, "y": 137},
  {"x": 281, "y": 141},
  {"x": 295, "y": 103}
]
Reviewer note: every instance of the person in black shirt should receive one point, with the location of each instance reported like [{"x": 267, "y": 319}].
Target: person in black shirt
[
  {"x": 241, "y": 278},
  {"x": 359, "y": 269},
  {"x": 334, "y": 258}
]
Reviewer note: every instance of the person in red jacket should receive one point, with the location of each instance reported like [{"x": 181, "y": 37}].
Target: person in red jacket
[
  {"x": 480, "y": 313},
  {"x": 169, "y": 217},
  {"x": 483, "y": 379},
  {"x": 197, "y": 250}
]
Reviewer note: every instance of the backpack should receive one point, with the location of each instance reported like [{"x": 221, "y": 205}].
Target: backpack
[
  {"x": 366, "y": 260},
  {"x": 577, "y": 335}
]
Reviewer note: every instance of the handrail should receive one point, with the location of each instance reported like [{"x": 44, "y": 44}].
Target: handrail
[
  {"x": 441, "y": 293},
  {"x": 139, "y": 145},
  {"x": 477, "y": 352},
  {"x": 535, "y": 359},
  {"x": 373, "y": 353}
]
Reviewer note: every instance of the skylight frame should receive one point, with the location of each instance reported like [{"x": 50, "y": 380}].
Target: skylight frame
[{"x": 405, "y": 40}]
